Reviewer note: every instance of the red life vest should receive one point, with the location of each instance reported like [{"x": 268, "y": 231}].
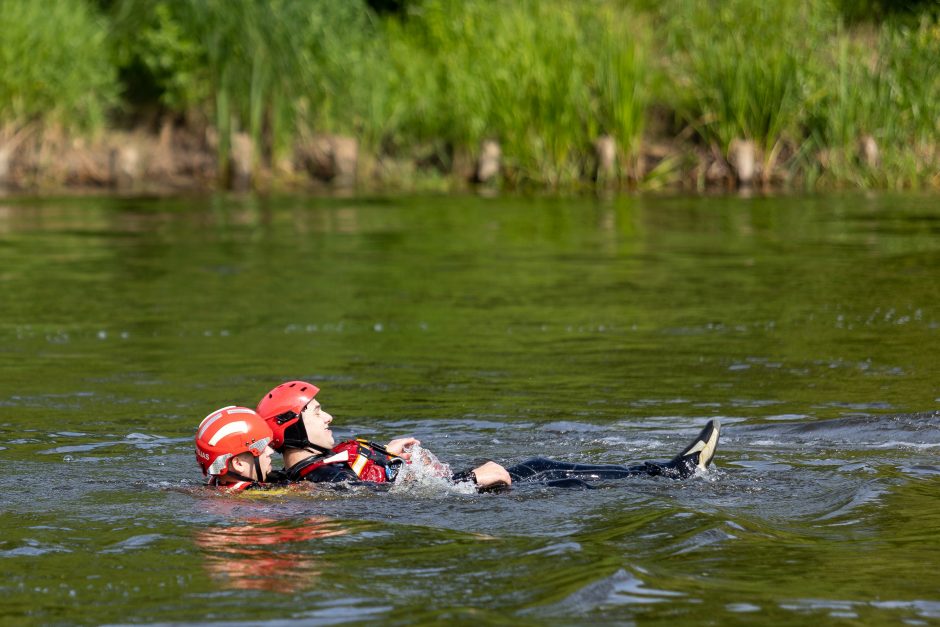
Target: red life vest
[
  {"x": 367, "y": 460},
  {"x": 238, "y": 486}
]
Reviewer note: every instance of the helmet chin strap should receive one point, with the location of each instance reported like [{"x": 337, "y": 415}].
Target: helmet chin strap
[
  {"x": 258, "y": 473},
  {"x": 295, "y": 436}
]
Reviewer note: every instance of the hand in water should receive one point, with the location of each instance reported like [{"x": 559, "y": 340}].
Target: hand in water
[
  {"x": 398, "y": 446},
  {"x": 491, "y": 474}
]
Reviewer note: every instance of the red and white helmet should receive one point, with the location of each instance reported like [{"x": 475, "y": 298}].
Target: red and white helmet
[
  {"x": 228, "y": 432},
  {"x": 281, "y": 409}
]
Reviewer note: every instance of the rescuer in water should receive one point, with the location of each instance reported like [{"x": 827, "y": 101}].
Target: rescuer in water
[{"x": 301, "y": 433}]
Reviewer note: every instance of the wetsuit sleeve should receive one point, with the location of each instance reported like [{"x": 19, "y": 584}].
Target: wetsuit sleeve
[
  {"x": 332, "y": 473},
  {"x": 464, "y": 475}
]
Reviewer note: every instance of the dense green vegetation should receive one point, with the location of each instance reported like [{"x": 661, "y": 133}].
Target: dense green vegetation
[
  {"x": 428, "y": 80},
  {"x": 743, "y": 78},
  {"x": 55, "y": 65}
]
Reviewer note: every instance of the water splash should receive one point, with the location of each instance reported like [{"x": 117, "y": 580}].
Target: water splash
[{"x": 426, "y": 475}]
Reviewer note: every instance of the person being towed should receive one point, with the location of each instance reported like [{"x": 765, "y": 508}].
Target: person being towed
[
  {"x": 232, "y": 448},
  {"x": 301, "y": 433}
]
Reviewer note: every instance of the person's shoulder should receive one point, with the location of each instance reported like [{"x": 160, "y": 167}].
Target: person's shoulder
[{"x": 330, "y": 473}]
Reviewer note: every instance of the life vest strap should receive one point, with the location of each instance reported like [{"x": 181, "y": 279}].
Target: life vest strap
[{"x": 359, "y": 455}]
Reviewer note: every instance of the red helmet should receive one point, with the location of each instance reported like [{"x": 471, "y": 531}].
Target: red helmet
[
  {"x": 281, "y": 409},
  {"x": 228, "y": 432}
]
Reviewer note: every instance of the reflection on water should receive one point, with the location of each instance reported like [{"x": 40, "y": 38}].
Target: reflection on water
[
  {"x": 589, "y": 331},
  {"x": 263, "y": 554}
]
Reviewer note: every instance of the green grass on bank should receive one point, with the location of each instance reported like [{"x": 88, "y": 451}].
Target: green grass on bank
[
  {"x": 55, "y": 66},
  {"x": 805, "y": 81},
  {"x": 882, "y": 86},
  {"x": 544, "y": 79},
  {"x": 744, "y": 70},
  {"x": 245, "y": 66},
  {"x": 792, "y": 78}
]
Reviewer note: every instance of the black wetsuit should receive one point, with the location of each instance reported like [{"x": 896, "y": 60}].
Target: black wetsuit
[
  {"x": 569, "y": 475},
  {"x": 539, "y": 469},
  {"x": 339, "y": 473}
]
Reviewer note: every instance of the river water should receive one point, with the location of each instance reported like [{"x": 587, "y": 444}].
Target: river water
[{"x": 594, "y": 330}]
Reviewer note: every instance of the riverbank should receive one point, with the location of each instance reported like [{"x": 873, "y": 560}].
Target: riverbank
[
  {"x": 177, "y": 159},
  {"x": 440, "y": 94}
]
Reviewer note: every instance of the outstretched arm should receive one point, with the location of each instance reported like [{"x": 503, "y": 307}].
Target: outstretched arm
[{"x": 488, "y": 475}]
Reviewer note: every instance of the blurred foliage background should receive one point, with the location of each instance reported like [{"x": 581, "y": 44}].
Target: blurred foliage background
[{"x": 431, "y": 79}]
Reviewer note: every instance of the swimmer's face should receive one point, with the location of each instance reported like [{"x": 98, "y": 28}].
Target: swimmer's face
[
  {"x": 244, "y": 465},
  {"x": 317, "y": 423}
]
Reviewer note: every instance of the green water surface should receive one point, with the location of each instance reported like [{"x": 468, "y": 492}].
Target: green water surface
[{"x": 593, "y": 330}]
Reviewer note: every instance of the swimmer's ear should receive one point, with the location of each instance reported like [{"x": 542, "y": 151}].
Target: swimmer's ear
[{"x": 239, "y": 465}]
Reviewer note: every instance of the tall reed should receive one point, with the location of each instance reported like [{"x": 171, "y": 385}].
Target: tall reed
[
  {"x": 55, "y": 66},
  {"x": 882, "y": 87},
  {"x": 544, "y": 78},
  {"x": 243, "y": 63},
  {"x": 624, "y": 75},
  {"x": 743, "y": 68}
]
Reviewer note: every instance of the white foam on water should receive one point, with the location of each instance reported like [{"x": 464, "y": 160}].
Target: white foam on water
[
  {"x": 927, "y": 609},
  {"x": 896, "y": 444},
  {"x": 427, "y": 475}
]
